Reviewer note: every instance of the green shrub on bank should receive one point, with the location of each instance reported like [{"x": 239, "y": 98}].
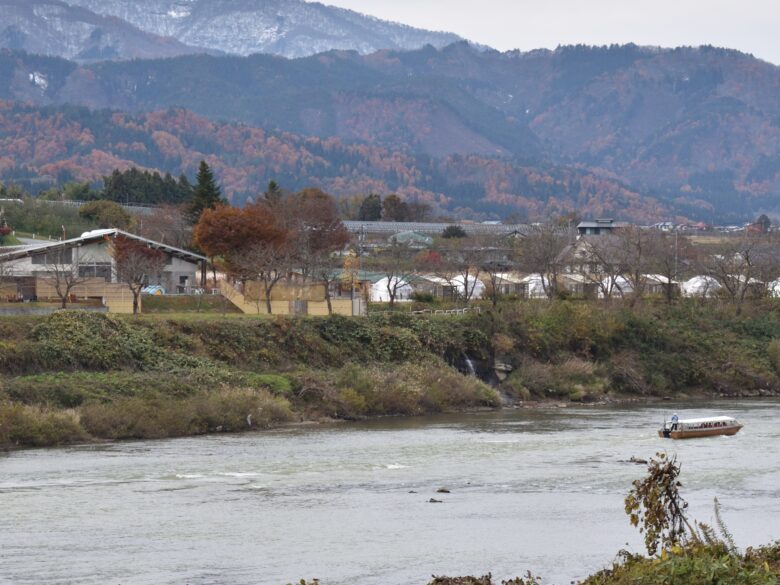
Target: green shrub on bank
[
  {"x": 695, "y": 565},
  {"x": 773, "y": 351},
  {"x": 142, "y": 417},
  {"x": 94, "y": 341},
  {"x": 72, "y": 389},
  {"x": 35, "y": 426},
  {"x": 277, "y": 384},
  {"x": 227, "y": 410},
  {"x": 19, "y": 357},
  {"x": 573, "y": 378},
  {"x": 408, "y": 389}
]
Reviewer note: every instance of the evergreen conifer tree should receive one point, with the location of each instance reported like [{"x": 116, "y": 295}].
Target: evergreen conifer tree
[
  {"x": 273, "y": 194},
  {"x": 207, "y": 194},
  {"x": 371, "y": 208}
]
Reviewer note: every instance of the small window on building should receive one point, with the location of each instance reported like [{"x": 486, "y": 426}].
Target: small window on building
[
  {"x": 97, "y": 270},
  {"x": 55, "y": 257}
]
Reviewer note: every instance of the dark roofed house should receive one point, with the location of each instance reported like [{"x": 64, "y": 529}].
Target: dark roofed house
[{"x": 599, "y": 227}]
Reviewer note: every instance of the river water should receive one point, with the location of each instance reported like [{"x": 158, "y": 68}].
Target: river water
[{"x": 530, "y": 489}]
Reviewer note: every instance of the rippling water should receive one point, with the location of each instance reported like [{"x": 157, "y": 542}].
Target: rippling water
[{"x": 537, "y": 489}]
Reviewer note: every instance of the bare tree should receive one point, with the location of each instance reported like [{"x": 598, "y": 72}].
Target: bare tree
[
  {"x": 324, "y": 268},
  {"x": 6, "y": 273},
  {"x": 737, "y": 263},
  {"x": 62, "y": 272},
  {"x": 266, "y": 263},
  {"x": 462, "y": 275},
  {"x": 539, "y": 253},
  {"x": 604, "y": 267},
  {"x": 495, "y": 273},
  {"x": 671, "y": 254},
  {"x": 767, "y": 261},
  {"x": 135, "y": 264},
  {"x": 397, "y": 266},
  {"x": 595, "y": 260},
  {"x": 313, "y": 227},
  {"x": 636, "y": 252},
  {"x": 167, "y": 224},
  {"x": 464, "y": 260}
]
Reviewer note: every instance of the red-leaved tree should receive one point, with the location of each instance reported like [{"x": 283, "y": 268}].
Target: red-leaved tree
[{"x": 135, "y": 263}]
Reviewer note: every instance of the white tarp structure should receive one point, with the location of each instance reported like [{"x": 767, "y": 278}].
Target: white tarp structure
[
  {"x": 700, "y": 286},
  {"x": 380, "y": 294},
  {"x": 659, "y": 279},
  {"x": 615, "y": 287},
  {"x": 476, "y": 286},
  {"x": 536, "y": 285},
  {"x": 506, "y": 282}
]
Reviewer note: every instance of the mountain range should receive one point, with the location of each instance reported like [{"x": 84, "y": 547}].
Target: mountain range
[
  {"x": 696, "y": 128},
  {"x": 692, "y": 131},
  {"x": 91, "y": 30}
]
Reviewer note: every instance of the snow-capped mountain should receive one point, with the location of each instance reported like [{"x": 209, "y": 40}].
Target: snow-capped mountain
[
  {"x": 292, "y": 28},
  {"x": 52, "y": 27}
]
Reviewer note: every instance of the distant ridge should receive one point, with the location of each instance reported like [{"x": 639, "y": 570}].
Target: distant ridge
[
  {"x": 52, "y": 27},
  {"x": 291, "y": 28}
]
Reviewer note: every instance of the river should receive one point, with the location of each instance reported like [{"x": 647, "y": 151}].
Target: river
[{"x": 534, "y": 489}]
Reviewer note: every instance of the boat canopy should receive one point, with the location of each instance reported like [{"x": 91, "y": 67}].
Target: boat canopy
[{"x": 696, "y": 421}]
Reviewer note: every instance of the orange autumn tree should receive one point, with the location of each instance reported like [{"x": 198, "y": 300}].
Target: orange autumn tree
[
  {"x": 224, "y": 232},
  {"x": 249, "y": 243}
]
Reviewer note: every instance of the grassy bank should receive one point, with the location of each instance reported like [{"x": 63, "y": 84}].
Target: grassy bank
[{"x": 75, "y": 376}]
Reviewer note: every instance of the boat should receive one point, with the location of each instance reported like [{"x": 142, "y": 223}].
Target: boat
[{"x": 692, "y": 428}]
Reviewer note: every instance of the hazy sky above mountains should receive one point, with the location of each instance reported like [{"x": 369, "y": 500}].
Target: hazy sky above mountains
[{"x": 748, "y": 25}]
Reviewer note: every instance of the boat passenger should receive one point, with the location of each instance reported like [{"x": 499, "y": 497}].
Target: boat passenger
[{"x": 675, "y": 419}]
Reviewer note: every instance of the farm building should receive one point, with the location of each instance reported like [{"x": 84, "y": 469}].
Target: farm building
[{"x": 34, "y": 272}]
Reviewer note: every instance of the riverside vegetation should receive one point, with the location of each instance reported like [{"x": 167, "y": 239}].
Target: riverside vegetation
[{"x": 76, "y": 376}]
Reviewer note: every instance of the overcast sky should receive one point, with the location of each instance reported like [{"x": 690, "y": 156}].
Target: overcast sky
[{"x": 752, "y": 26}]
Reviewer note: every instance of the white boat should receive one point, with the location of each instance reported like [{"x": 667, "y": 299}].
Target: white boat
[{"x": 692, "y": 428}]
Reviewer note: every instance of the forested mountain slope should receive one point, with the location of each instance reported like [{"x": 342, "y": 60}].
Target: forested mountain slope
[
  {"x": 71, "y": 143},
  {"x": 696, "y": 128}
]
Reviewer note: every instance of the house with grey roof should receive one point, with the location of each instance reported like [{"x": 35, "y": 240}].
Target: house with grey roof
[{"x": 28, "y": 270}]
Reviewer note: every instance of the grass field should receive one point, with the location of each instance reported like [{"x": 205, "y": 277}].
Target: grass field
[{"x": 186, "y": 304}]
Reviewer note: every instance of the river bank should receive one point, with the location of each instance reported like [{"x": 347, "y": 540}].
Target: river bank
[{"x": 74, "y": 377}]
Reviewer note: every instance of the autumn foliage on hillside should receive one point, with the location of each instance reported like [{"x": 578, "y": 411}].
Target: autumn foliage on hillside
[
  {"x": 84, "y": 145},
  {"x": 695, "y": 127}
]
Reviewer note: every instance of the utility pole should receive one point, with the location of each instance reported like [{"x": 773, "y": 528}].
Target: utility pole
[{"x": 361, "y": 235}]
